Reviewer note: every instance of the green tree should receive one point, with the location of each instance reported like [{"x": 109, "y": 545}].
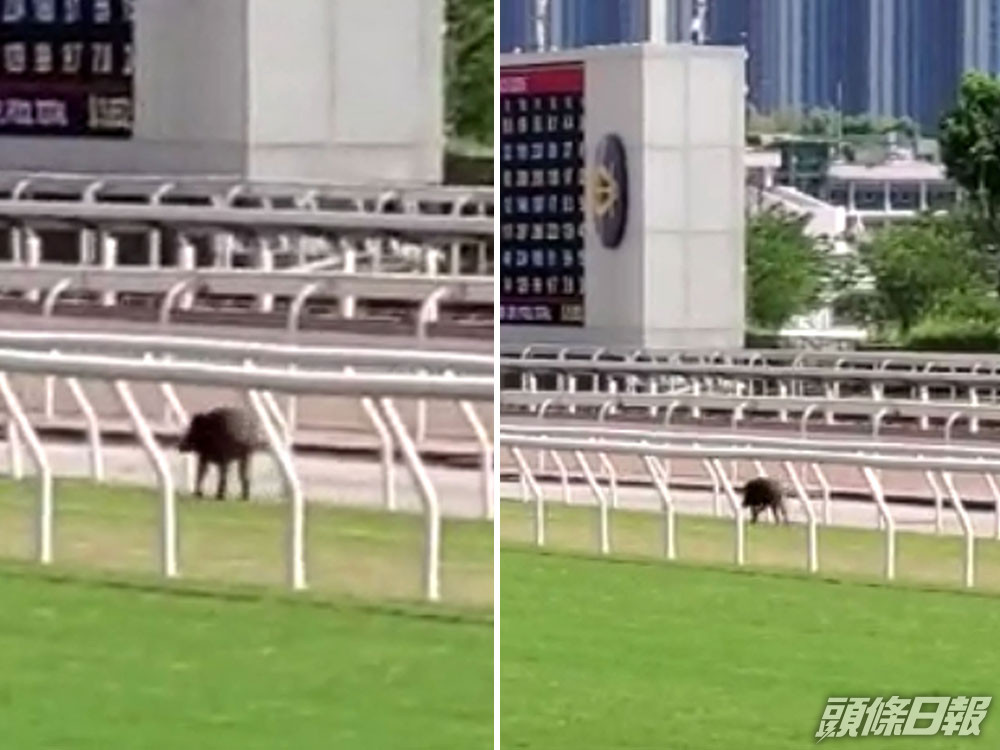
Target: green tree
[
  {"x": 914, "y": 268},
  {"x": 970, "y": 143},
  {"x": 469, "y": 70},
  {"x": 785, "y": 269}
]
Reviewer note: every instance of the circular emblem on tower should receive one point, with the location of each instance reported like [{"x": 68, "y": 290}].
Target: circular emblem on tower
[{"x": 609, "y": 191}]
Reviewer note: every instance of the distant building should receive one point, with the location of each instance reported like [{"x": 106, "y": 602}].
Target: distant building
[{"x": 880, "y": 57}]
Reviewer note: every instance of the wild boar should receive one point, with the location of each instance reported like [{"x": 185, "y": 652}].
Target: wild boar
[
  {"x": 762, "y": 493},
  {"x": 220, "y": 437}
]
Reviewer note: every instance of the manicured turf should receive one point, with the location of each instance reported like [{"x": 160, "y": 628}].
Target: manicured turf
[
  {"x": 598, "y": 654},
  {"x": 92, "y": 666},
  {"x": 98, "y": 653},
  {"x": 372, "y": 555},
  {"x": 635, "y": 652},
  {"x": 846, "y": 552}
]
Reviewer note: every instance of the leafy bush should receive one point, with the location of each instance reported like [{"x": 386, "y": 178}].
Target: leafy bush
[
  {"x": 469, "y": 67},
  {"x": 944, "y": 335},
  {"x": 785, "y": 270}
]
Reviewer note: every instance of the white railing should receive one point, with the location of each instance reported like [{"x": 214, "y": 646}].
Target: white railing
[
  {"x": 876, "y": 411},
  {"x": 202, "y": 219},
  {"x": 653, "y": 456},
  {"x": 402, "y": 286},
  {"x": 862, "y": 447},
  {"x": 176, "y": 288},
  {"x": 257, "y": 353},
  {"x": 746, "y": 373},
  {"x": 257, "y": 383},
  {"x": 260, "y": 352},
  {"x": 225, "y": 190},
  {"x": 793, "y": 357}
]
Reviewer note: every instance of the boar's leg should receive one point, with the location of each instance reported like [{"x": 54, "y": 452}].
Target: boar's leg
[
  {"x": 223, "y": 478},
  {"x": 200, "y": 477},
  {"x": 244, "y": 466}
]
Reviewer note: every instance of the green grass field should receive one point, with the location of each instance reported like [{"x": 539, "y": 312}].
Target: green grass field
[
  {"x": 633, "y": 652},
  {"x": 97, "y": 652},
  {"x": 843, "y": 552},
  {"x": 360, "y": 553}
]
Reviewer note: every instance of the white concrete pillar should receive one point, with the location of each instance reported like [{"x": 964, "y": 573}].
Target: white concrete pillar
[
  {"x": 887, "y": 196},
  {"x": 852, "y": 196},
  {"x": 923, "y": 196},
  {"x": 109, "y": 260}
]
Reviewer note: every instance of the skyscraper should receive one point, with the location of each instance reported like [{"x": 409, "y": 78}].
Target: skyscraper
[{"x": 880, "y": 57}]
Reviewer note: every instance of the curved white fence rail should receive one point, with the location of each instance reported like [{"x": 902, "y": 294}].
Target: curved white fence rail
[
  {"x": 260, "y": 352},
  {"x": 792, "y": 357},
  {"x": 225, "y": 190},
  {"x": 876, "y": 411},
  {"x": 193, "y": 219},
  {"x": 256, "y": 382},
  {"x": 654, "y": 455},
  {"x": 862, "y": 447},
  {"x": 747, "y": 373}
]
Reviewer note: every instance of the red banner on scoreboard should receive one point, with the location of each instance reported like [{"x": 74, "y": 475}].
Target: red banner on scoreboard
[{"x": 542, "y": 79}]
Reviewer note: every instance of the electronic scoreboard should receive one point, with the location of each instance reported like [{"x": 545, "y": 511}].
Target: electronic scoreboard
[
  {"x": 542, "y": 195},
  {"x": 66, "y": 68}
]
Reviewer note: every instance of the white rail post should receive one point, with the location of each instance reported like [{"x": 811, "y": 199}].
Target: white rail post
[
  {"x": 716, "y": 485},
  {"x": 739, "y": 552},
  {"x": 536, "y": 494},
  {"x": 109, "y": 261},
  {"x": 603, "y": 532},
  {"x": 173, "y": 410},
  {"x": 32, "y": 259},
  {"x": 168, "y": 541},
  {"x": 388, "y": 453},
  {"x": 187, "y": 260},
  {"x": 662, "y": 485},
  {"x": 878, "y": 495},
  {"x": 486, "y": 456},
  {"x": 825, "y": 486},
  {"x": 938, "y": 501},
  {"x": 14, "y": 451},
  {"x": 925, "y": 398},
  {"x": 567, "y": 493},
  {"x": 292, "y": 326},
  {"x": 995, "y": 492},
  {"x": 93, "y": 428},
  {"x": 969, "y": 562},
  {"x": 432, "y": 509},
  {"x": 812, "y": 555},
  {"x": 349, "y": 302},
  {"x": 43, "y": 510},
  {"x": 49, "y": 394},
  {"x": 612, "y": 475},
  {"x": 265, "y": 262},
  {"x": 295, "y": 534}
]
